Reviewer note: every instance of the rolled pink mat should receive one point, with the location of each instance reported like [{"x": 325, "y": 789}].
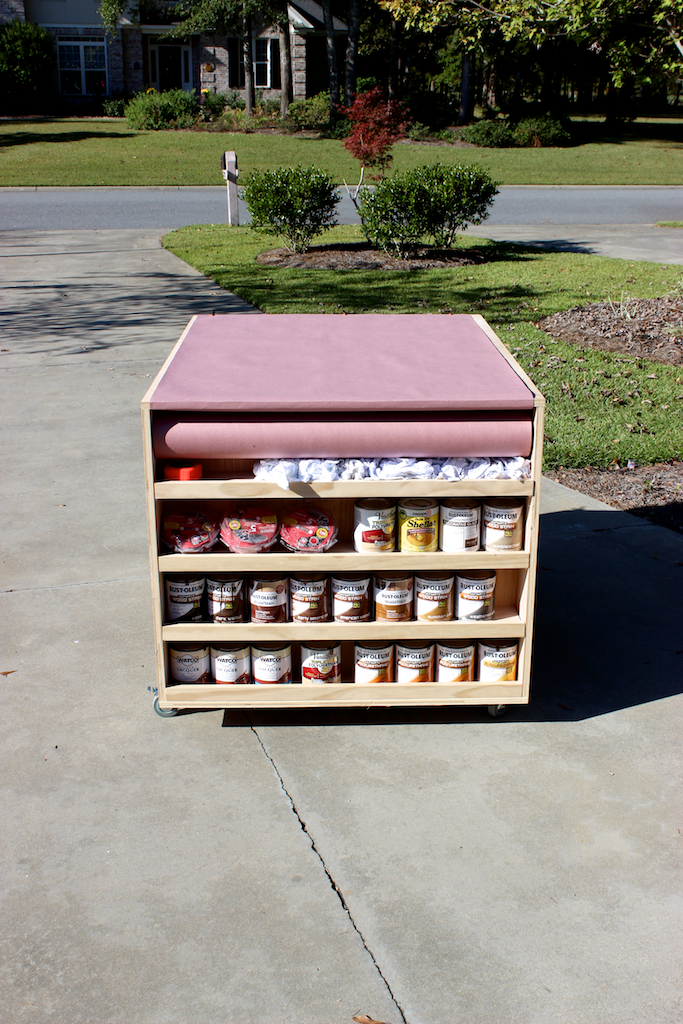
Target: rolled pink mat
[{"x": 288, "y": 436}]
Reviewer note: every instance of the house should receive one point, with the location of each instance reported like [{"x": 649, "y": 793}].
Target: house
[{"x": 92, "y": 64}]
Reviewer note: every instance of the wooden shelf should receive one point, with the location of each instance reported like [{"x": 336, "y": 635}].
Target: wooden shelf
[
  {"x": 208, "y": 490},
  {"x": 345, "y": 695},
  {"x": 341, "y": 558},
  {"x": 505, "y": 624},
  {"x": 229, "y": 479}
]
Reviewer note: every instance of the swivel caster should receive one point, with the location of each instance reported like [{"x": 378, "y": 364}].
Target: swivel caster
[
  {"x": 497, "y": 710},
  {"x": 164, "y": 712}
]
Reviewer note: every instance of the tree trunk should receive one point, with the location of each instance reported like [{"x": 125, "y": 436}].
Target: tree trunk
[
  {"x": 466, "y": 109},
  {"x": 351, "y": 52},
  {"x": 331, "y": 58},
  {"x": 285, "y": 64},
  {"x": 394, "y": 56},
  {"x": 248, "y": 68}
]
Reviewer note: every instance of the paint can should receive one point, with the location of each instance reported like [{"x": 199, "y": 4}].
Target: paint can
[
  {"x": 373, "y": 663},
  {"x": 351, "y": 597},
  {"x": 503, "y": 524},
  {"x": 414, "y": 662},
  {"x": 434, "y": 597},
  {"x": 309, "y": 596},
  {"x": 393, "y": 593},
  {"x": 455, "y": 661},
  {"x": 321, "y": 663},
  {"x": 474, "y": 594},
  {"x": 231, "y": 664},
  {"x": 497, "y": 660},
  {"x": 185, "y": 598},
  {"x": 268, "y": 600},
  {"x": 271, "y": 663},
  {"x": 189, "y": 663},
  {"x": 460, "y": 524},
  {"x": 374, "y": 528},
  {"x": 225, "y": 597},
  {"x": 418, "y": 525}
]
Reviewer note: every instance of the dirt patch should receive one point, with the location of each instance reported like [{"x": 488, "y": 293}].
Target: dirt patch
[
  {"x": 642, "y": 328},
  {"x": 360, "y": 256},
  {"x": 654, "y": 492}
]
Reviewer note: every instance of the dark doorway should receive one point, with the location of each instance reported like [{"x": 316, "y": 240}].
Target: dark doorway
[{"x": 170, "y": 68}]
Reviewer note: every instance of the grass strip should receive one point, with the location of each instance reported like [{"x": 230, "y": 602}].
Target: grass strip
[
  {"x": 92, "y": 152},
  {"x": 600, "y": 406}
]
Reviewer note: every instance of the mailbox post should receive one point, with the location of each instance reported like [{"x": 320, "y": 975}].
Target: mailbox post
[{"x": 230, "y": 173}]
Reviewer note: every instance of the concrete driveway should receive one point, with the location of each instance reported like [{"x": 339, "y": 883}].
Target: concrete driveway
[{"x": 432, "y": 866}]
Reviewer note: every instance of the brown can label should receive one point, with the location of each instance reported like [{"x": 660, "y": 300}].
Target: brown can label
[
  {"x": 268, "y": 600},
  {"x": 226, "y": 599},
  {"x": 351, "y": 599},
  {"x": 310, "y": 600},
  {"x": 393, "y": 598},
  {"x": 434, "y": 598},
  {"x": 373, "y": 663},
  {"x": 415, "y": 663}
]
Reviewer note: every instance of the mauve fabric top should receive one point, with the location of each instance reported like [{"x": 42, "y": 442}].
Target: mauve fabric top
[{"x": 326, "y": 363}]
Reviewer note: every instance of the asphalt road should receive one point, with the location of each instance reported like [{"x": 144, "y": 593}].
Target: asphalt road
[{"x": 68, "y": 209}]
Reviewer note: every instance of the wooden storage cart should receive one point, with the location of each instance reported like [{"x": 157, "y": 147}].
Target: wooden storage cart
[{"x": 229, "y": 481}]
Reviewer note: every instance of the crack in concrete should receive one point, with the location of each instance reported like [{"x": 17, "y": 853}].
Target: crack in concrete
[
  {"x": 66, "y": 586},
  {"x": 325, "y": 868}
]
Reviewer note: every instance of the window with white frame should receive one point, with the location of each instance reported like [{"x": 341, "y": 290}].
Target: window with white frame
[
  {"x": 82, "y": 65},
  {"x": 262, "y": 63}
]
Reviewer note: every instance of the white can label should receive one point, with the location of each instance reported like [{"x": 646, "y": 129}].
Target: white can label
[
  {"x": 414, "y": 665},
  {"x": 497, "y": 665},
  {"x": 190, "y": 666},
  {"x": 373, "y": 665},
  {"x": 454, "y": 664},
  {"x": 271, "y": 666},
  {"x": 475, "y": 598},
  {"x": 320, "y": 666},
  {"x": 503, "y": 528},
  {"x": 184, "y": 599},
  {"x": 231, "y": 666},
  {"x": 434, "y": 599},
  {"x": 460, "y": 529},
  {"x": 375, "y": 529}
]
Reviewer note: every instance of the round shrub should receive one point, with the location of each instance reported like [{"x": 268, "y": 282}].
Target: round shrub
[
  {"x": 541, "y": 131},
  {"x": 158, "y": 110},
  {"x": 491, "y": 134},
  {"x": 296, "y": 203},
  {"x": 312, "y": 114},
  {"x": 433, "y": 201}
]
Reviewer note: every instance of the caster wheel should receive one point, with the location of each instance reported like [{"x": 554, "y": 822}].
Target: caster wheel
[
  {"x": 497, "y": 710},
  {"x": 164, "y": 712}
]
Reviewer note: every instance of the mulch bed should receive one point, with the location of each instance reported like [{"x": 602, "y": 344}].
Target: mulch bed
[
  {"x": 639, "y": 328},
  {"x": 642, "y": 328},
  {"x": 360, "y": 256}
]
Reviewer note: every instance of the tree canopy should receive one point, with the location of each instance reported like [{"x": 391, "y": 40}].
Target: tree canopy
[{"x": 642, "y": 37}]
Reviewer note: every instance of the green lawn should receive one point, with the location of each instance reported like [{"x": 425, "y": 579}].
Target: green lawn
[
  {"x": 107, "y": 152},
  {"x": 600, "y": 406}
]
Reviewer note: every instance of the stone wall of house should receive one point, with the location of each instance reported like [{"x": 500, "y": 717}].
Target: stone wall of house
[
  {"x": 10, "y": 10},
  {"x": 298, "y": 44},
  {"x": 131, "y": 62},
  {"x": 214, "y": 70}
]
